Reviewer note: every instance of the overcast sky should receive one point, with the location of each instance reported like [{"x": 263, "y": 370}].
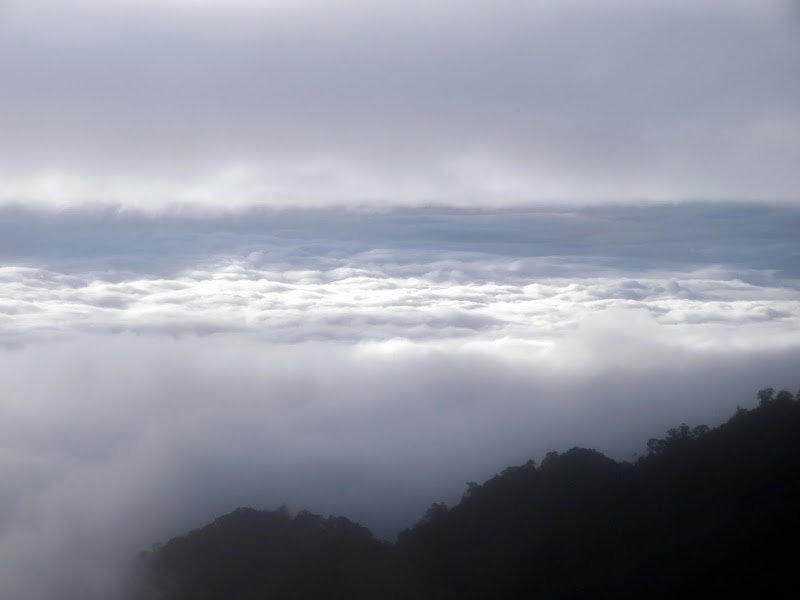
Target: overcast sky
[
  {"x": 349, "y": 256},
  {"x": 460, "y": 103}
]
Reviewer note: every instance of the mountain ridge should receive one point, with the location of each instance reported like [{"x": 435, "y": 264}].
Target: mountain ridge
[{"x": 704, "y": 510}]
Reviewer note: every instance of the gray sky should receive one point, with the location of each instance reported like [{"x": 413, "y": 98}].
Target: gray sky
[
  {"x": 226, "y": 104},
  {"x": 351, "y": 255}
]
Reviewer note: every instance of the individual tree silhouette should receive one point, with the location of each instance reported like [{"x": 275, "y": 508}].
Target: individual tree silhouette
[{"x": 764, "y": 396}]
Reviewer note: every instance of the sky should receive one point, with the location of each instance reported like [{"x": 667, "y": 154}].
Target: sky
[
  {"x": 348, "y": 256},
  {"x": 468, "y": 103}
]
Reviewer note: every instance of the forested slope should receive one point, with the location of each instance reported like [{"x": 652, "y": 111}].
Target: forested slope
[{"x": 703, "y": 511}]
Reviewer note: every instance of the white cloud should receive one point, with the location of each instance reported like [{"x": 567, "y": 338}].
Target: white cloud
[{"x": 361, "y": 303}]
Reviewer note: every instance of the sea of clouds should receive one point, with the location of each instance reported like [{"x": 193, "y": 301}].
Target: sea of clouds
[
  {"x": 527, "y": 225},
  {"x": 159, "y": 371}
]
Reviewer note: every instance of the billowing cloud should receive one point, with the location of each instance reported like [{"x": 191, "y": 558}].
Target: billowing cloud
[
  {"x": 356, "y": 304},
  {"x": 435, "y": 278}
]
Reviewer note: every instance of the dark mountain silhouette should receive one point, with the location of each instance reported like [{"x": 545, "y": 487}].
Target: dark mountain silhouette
[
  {"x": 251, "y": 554},
  {"x": 705, "y": 511}
]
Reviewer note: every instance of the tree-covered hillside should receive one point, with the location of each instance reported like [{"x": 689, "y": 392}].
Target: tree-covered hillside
[{"x": 704, "y": 511}]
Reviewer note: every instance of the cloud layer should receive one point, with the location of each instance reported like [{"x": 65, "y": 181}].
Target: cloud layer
[
  {"x": 233, "y": 104},
  {"x": 431, "y": 278},
  {"x": 157, "y": 372},
  {"x": 441, "y": 305}
]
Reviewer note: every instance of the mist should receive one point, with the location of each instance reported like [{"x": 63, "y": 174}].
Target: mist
[{"x": 112, "y": 443}]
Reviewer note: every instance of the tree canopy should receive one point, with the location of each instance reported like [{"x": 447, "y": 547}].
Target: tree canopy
[{"x": 703, "y": 511}]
